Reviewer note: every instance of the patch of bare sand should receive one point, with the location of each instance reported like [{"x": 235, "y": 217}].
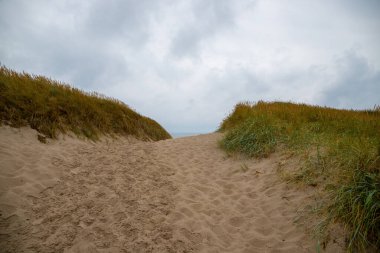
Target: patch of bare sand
[
  {"x": 181, "y": 195},
  {"x": 109, "y": 196},
  {"x": 235, "y": 204}
]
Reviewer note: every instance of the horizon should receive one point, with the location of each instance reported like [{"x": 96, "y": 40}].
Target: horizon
[
  {"x": 186, "y": 64},
  {"x": 185, "y": 134}
]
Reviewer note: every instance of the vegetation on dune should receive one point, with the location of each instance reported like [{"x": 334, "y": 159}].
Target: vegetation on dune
[
  {"x": 52, "y": 107},
  {"x": 254, "y": 137},
  {"x": 342, "y": 151}
]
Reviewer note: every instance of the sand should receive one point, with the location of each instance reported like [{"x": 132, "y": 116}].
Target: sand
[{"x": 125, "y": 195}]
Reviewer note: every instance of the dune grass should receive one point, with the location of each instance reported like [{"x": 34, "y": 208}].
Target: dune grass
[
  {"x": 254, "y": 137},
  {"x": 52, "y": 107},
  {"x": 341, "y": 150}
]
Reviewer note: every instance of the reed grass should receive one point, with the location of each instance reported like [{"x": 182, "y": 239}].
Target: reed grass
[
  {"x": 255, "y": 137},
  {"x": 341, "y": 150},
  {"x": 52, "y": 107}
]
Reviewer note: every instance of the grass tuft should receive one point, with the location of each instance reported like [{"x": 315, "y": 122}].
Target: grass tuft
[
  {"x": 52, "y": 107},
  {"x": 255, "y": 137},
  {"x": 357, "y": 203}
]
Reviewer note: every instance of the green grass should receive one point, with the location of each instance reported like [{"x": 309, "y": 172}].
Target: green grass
[
  {"x": 358, "y": 205},
  {"x": 341, "y": 151},
  {"x": 255, "y": 137},
  {"x": 52, "y": 107}
]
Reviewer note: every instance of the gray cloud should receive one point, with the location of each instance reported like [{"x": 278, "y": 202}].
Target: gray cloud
[
  {"x": 186, "y": 63},
  {"x": 357, "y": 84},
  {"x": 128, "y": 21},
  {"x": 204, "y": 19}
]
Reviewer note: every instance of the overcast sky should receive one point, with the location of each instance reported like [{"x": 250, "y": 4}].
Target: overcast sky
[{"x": 186, "y": 63}]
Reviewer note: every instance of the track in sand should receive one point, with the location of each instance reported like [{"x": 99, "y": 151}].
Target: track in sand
[{"x": 180, "y": 195}]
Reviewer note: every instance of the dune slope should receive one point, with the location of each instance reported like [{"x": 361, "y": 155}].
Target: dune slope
[{"x": 52, "y": 107}]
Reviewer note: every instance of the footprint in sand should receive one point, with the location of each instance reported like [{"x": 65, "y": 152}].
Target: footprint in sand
[
  {"x": 186, "y": 211},
  {"x": 195, "y": 238},
  {"x": 170, "y": 196},
  {"x": 237, "y": 221}
]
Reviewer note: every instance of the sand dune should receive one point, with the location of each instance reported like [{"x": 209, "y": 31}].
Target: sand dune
[{"x": 181, "y": 195}]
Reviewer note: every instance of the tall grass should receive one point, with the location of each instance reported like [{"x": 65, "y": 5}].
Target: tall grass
[
  {"x": 254, "y": 137},
  {"x": 342, "y": 150},
  {"x": 52, "y": 107}
]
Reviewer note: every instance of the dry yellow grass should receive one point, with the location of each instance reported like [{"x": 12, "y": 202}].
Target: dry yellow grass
[{"x": 52, "y": 107}]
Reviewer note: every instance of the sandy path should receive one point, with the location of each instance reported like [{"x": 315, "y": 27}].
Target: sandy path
[
  {"x": 232, "y": 205},
  {"x": 112, "y": 196},
  {"x": 181, "y": 195}
]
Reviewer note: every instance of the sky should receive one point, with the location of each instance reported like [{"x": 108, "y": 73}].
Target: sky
[{"x": 186, "y": 63}]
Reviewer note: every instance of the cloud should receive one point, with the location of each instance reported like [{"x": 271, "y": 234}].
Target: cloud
[
  {"x": 128, "y": 21},
  {"x": 186, "y": 63},
  {"x": 357, "y": 83},
  {"x": 204, "y": 19}
]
